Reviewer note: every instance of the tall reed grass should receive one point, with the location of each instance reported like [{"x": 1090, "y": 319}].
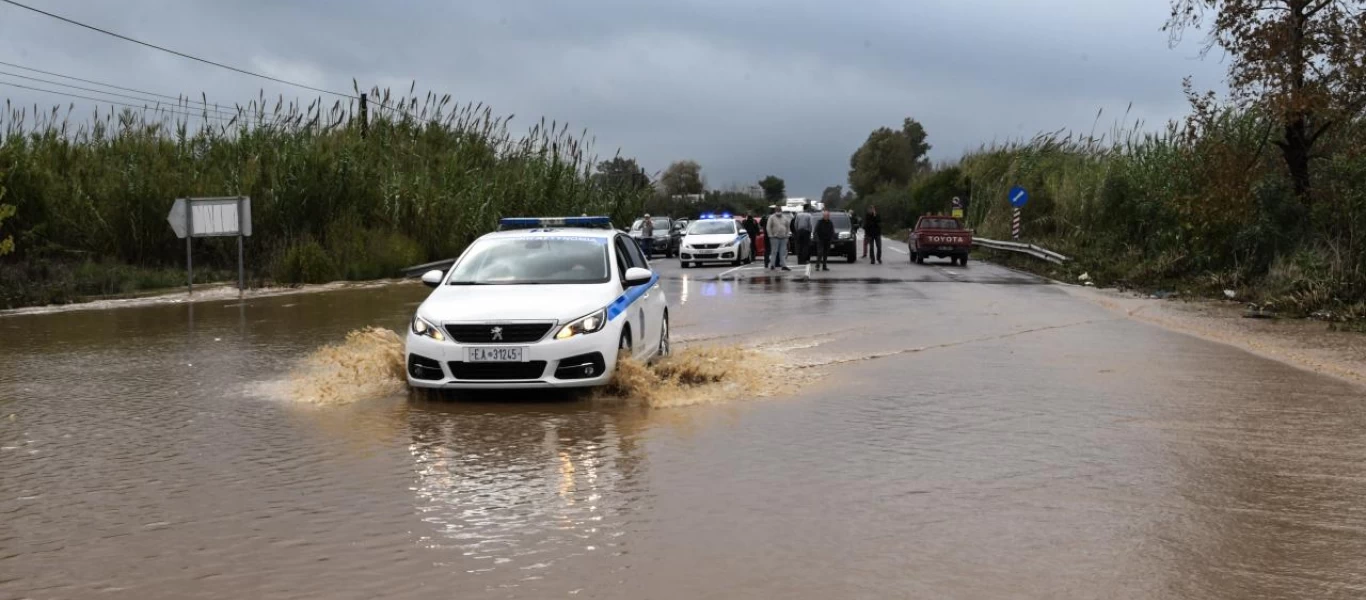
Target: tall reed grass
[
  {"x": 1200, "y": 206},
  {"x": 426, "y": 177}
]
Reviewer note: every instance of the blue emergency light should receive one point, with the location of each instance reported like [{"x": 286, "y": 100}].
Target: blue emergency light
[{"x": 513, "y": 223}]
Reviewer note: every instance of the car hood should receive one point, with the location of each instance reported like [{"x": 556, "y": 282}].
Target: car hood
[
  {"x": 480, "y": 303},
  {"x": 719, "y": 238}
]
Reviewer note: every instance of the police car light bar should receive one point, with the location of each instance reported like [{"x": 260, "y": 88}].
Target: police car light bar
[{"x": 545, "y": 222}]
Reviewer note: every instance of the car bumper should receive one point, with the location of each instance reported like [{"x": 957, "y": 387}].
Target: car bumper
[
  {"x": 943, "y": 251},
  {"x": 718, "y": 255},
  {"x": 562, "y": 363}
]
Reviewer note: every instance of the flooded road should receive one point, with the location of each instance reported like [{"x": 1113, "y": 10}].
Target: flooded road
[{"x": 925, "y": 432}]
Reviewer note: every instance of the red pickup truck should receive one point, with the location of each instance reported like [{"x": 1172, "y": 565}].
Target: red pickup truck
[{"x": 940, "y": 237}]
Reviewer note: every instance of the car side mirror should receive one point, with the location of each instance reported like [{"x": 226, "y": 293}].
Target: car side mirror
[
  {"x": 637, "y": 276},
  {"x": 433, "y": 277}
]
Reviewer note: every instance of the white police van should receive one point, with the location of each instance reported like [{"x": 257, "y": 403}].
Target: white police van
[
  {"x": 715, "y": 238},
  {"x": 545, "y": 302}
]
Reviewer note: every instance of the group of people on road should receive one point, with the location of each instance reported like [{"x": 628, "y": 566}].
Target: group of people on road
[{"x": 801, "y": 228}]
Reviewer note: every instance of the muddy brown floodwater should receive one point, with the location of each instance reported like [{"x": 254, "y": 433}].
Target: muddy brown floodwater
[{"x": 896, "y": 431}]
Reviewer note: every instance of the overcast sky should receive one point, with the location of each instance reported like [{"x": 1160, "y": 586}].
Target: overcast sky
[{"x": 745, "y": 87}]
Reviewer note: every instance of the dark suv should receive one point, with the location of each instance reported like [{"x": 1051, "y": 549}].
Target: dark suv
[
  {"x": 845, "y": 243},
  {"x": 667, "y": 238}
]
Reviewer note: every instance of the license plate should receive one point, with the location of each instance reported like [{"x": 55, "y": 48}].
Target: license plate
[
  {"x": 494, "y": 355},
  {"x": 946, "y": 248}
]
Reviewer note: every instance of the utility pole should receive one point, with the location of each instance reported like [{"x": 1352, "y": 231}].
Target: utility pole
[{"x": 364, "y": 117}]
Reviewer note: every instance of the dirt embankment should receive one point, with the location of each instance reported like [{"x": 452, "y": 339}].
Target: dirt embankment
[
  {"x": 207, "y": 293},
  {"x": 1306, "y": 344}
]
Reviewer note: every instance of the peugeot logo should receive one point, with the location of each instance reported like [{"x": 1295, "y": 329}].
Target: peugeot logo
[{"x": 497, "y": 333}]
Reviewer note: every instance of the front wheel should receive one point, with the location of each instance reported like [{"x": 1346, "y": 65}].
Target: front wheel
[
  {"x": 913, "y": 257},
  {"x": 852, "y": 257},
  {"x": 684, "y": 264},
  {"x": 624, "y": 344},
  {"x": 664, "y": 348}
]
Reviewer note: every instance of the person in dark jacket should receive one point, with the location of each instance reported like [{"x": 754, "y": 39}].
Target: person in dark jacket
[
  {"x": 872, "y": 234},
  {"x": 751, "y": 228},
  {"x": 825, "y": 234}
]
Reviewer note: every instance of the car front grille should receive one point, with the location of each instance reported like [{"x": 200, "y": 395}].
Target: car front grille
[
  {"x": 706, "y": 246},
  {"x": 498, "y": 333},
  {"x": 513, "y": 371}
]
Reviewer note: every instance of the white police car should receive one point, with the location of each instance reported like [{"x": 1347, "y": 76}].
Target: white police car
[
  {"x": 542, "y": 303},
  {"x": 715, "y": 239}
]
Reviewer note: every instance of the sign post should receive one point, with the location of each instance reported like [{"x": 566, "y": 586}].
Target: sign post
[
  {"x": 212, "y": 217},
  {"x": 957, "y": 207},
  {"x": 1018, "y": 198}
]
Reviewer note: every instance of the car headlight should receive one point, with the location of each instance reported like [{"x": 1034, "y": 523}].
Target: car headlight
[
  {"x": 583, "y": 325},
  {"x": 844, "y": 235},
  {"x": 424, "y": 328}
]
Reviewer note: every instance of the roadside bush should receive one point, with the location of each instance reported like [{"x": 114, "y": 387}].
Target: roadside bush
[
  {"x": 304, "y": 262},
  {"x": 1198, "y": 210}
]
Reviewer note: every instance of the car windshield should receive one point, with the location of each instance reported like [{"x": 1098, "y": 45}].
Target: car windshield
[
  {"x": 533, "y": 260},
  {"x": 940, "y": 224},
  {"x": 841, "y": 221},
  {"x": 661, "y": 225},
  {"x": 712, "y": 227}
]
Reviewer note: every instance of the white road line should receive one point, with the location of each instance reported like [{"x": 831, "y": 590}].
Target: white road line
[
  {"x": 731, "y": 271},
  {"x": 808, "y": 270},
  {"x": 893, "y": 247}
]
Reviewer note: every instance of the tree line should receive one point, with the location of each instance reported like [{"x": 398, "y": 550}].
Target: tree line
[{"x": 1262, "y": 192}]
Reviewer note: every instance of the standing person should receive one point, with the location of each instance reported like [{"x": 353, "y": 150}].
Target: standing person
[
  {"x": 647, "y": 236},
  {"x": 872, "y": 234},
  {"x": 803, "y": 224},
  {"x": 778, "y": 232},
  {"x": 763, "y": 226},
  {"x": 751, "y": 228},
  {"x": 825, "y": 234}
]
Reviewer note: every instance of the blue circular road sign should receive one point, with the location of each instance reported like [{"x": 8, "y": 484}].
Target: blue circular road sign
[{"x": 1018, "y": 196}]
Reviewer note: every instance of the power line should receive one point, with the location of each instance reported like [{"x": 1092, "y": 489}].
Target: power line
[
  {"x": 205, "y": 108},
  {"x": 182, "y": 54},
  {"x": 99, "y": 83},
  {"x": 144, "y": 107}
]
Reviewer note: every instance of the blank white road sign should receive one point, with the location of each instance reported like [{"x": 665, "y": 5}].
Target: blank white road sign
[{"x": 212, "y": 216}]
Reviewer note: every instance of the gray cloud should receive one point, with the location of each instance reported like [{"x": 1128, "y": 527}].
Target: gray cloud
[{"x": 745, "y": 87}]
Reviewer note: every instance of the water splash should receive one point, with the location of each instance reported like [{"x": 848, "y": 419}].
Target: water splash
[
  {"x": 369, "y": 364},
  {"x": 702, "y": 375}
]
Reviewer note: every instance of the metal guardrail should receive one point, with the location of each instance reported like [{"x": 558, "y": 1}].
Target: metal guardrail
[
  {"x": 418, "y": 270},
  {"x": 1030, "y": 249}
]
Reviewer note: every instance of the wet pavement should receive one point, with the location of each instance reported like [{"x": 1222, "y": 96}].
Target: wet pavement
[{"x": 975, "y": 433}]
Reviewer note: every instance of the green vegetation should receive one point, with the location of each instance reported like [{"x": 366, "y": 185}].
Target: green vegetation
[
  {"x": 1202, "y": 207},
  {"x": 6, "y": 211},
  {"x": 775, "y": 189},
  {"x": 682, "y": 178},
  {"x": 889, "y": 159},
  {"x": 1264, "y": 195},
  {"x": 330, "y": 199}
]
